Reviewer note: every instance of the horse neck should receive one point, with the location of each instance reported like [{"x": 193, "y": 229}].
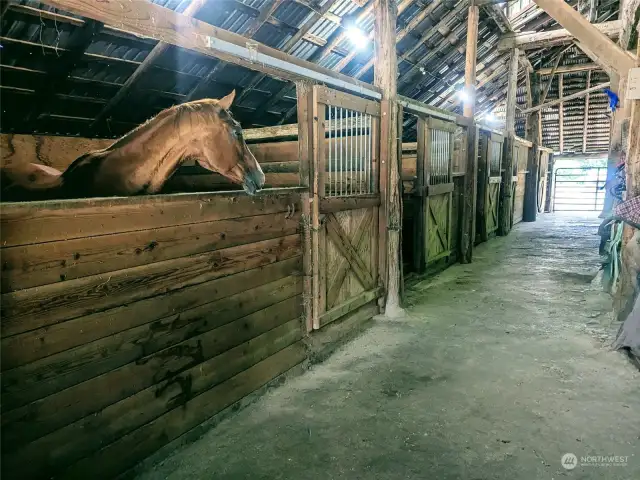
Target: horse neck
[{"x": 161, "y": 145}]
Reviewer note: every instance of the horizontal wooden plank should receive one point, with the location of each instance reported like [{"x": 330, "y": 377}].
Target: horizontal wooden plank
[
  {"x": 409, "y": 147},
  {"x": 495, "y": 179},
  {"x": 89, "y": 434},
  {"x": 339, "y": 204},
  {"x": 130, "y": 449},
  {"x": 524, "y": 142},
  {"x": 439, "y": 189},
  {"x": 217, "y": 183},
  {"x": 441, "y": 124},
  {"x": 38, "y": 222},
  {"x": 266, "y": 153},
  {"x": 37, "y": 307},
  {"x": 162, "y": 24},
  {"x": 349, "y": 306},
  {"x": 339, "y": 99},
  {"x": 40, "y": 264},
  {"x": 91, "y": 396},
  {"x": 30, "y": 346},
  {"x": 52, "y": 374}
]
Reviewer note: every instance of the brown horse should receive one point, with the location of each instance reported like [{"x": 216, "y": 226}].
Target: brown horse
[{"x": 142, "y": 161}]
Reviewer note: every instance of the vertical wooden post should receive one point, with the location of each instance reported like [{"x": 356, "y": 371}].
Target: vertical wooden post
[
  {"x": 561, "y": 110},
  {"x": 586, "y": 114},
  {"x": 467, "y": 231},
  {"x": 305, "y": 156},
  {"x": 533, "y": 161},
  {"x": 419, "y": 218},
  {"x": 386, "y": 73},
  {"x": 548, "y": 203},
  {"x": 504, "y": 220},
  {"x": 470, "y": 62}
]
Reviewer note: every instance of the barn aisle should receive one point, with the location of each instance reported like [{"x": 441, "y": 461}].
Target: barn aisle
[{"x": 501, "y": 369}]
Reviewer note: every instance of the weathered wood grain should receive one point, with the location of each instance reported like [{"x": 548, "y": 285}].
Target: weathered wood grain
[
  {"x": 38, "y": 222},
  {"x": 337, "y": 235},
  {"x": 35, "y": 344},
  {"x": 91, "y": 396},
  {"x": 90, "y": 433},
  {"x": 349, "y": 306},
  {"x": 37, "y": 307},
  {"x": 54, "y": 373},
  {"x": 127, "y": 450},
  {"x": 40, "y": 264}
]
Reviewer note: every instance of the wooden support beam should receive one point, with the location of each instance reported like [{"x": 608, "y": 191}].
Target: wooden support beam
[
  {"x": 586, "y": 115},
  {"x": 193, "y": 8},
  {"x": 526, "y": 64},
  {"x": 386, "y": 68},
  {"x": 498, "y": 16},
  {"x": 199, "y": 89},
  {"x": 557, "y": 61},
  {"x": 430, "y": 32},
  {"x": 150, "y": 20},
  {"x": 529, "y": 40},
  {"x": 286, "y": 48},
  {"x": 337, "y": 37},
  {"x": 77, "y": 44},
  {"x": 583, "y": 67},
  {"x": 568, "y": 97},
  {"x": 467, "y": 236},
  {"x": 561, "y": 110},
  {"x": 609, "y": 54},
  {"x": 505, "y": 207},
  {"x": 470, "y": 62},
  {"x": 532, "y": 180},
  {"x": 413, "y": 23}
]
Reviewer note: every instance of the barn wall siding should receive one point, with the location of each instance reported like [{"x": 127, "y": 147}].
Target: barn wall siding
[{"x": 139, "y": 320}]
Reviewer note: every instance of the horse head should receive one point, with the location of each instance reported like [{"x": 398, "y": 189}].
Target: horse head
[{"x": 224, "y": 150}]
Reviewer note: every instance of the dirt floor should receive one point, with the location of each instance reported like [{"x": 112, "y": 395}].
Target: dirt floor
[{"x": 500, "y": 369}]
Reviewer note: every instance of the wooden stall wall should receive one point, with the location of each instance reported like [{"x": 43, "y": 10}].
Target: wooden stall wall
[
  {"x": 126, "y": 322},
  {"x": 490, "y": 148},
  {"x": 520, "y": 156},
  {"x": 413, "y": 200},
  {"x": 277, "y": 156}
]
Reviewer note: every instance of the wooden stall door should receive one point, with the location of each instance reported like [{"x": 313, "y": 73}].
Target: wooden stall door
[
  {"x": 520, "y": 156},
  {"x": 346, "y": 186},
  {"x": 439, "y": 181},
  {"x": 492, "y": 200}
]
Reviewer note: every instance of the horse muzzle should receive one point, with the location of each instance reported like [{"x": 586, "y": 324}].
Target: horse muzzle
[{"x": 253, "y": 181}]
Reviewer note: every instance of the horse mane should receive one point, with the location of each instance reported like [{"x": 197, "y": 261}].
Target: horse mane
[{"x": 189, "y": 115}]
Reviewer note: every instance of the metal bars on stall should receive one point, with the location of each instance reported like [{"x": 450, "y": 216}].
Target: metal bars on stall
[
  {"x": 349, "y": 156},
  {"x": 351, "y": 144}
]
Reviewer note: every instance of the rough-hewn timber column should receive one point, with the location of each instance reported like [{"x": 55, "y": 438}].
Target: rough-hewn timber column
[
  {"x": 533, "y": 161},
  {"x": 386, "y": 69},
  {"x": 505, "y": 211},
  {"x": 470, "y": 176}
]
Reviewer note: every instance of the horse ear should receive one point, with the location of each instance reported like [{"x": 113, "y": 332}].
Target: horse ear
[{"x": 226, "y": 102}]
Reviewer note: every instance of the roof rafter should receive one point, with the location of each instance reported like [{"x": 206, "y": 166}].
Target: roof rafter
[{"x": 192, "y": 8}]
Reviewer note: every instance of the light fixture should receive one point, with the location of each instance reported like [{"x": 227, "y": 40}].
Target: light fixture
[
  {"x": 357, "y": 37},
  {"x": 490, "y": 117},
  {"x": 463, "y": 95}
]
